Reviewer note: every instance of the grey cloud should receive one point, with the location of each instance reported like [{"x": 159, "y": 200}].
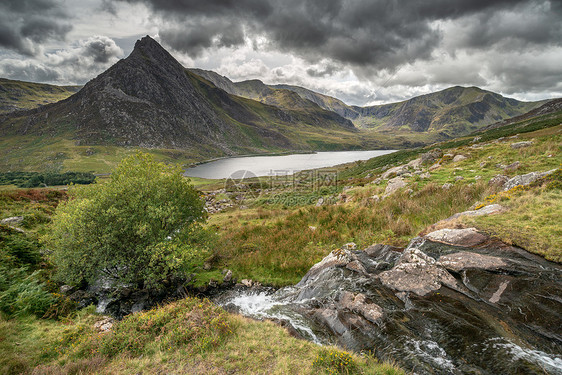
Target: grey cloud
[
  {"x": 26, "y": 24},
  {"x": 377, "y": 34},
  {"x": 69, "y": 66}
]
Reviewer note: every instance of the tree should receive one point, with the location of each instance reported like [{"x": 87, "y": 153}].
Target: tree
[{"x": 133, "y": 229}]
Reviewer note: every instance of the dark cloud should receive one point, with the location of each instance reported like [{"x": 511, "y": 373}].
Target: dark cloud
[
  {"x": 26, "y": 24},
  {"x": 376, "y": 34},
  {"x": 74, "y": 65}
]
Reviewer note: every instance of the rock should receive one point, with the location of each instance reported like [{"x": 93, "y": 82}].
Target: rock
[
  {"x": 66, "y": 289},
  {"x": 468, "y": 237},
  {"x": 498, "y": 180},
  {"x": 104, "y": 325},
  {"x": 447, "y": 186},
  {"x": 431, "y": 156},
  {"x": 393, "y": 185},
  {"x": 395, "y": 171},
  {"x": 458, "y": 158},
  {"x": 320, "y": 202},
  {"x": 425, "y": 175},
  {"x": 246, "y": 282},
  {"x": 416, "y": 163},
  {"x": 434, "y": 166},
  {"x": 407, "y": 174},
  {"x": 476, "y": 139},
  {"x": 311, "y": 228},
  {"x": 458, "y": 178},
  {"x": 357, "y": 303},
  {"x": 464, "y": 260},
  {"x": 377, "y": 181},
  {"x": 227, "y": 277},
  {"x": 12, "y": 221},
  {"x": 512, "y": 167},
  {"x": 349, "y": 246},
  {"x": 453, "y": 219},
  {"x": 375, "y": 198},
  {"x": 525, "y": 179},
  {"x": 521, "y": 144},
  {"x": 213, "y": 283},
  {"x": 418, "y": 273}
]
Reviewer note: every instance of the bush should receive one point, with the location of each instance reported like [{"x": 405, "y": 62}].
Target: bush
[
  {"x": 22, "y": 294},
  {"x": 335, "y": 362},
  {"x": 133, "y": 229}
]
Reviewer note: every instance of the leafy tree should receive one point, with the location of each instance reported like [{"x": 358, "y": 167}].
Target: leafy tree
[{"x": 134, "y": 229}]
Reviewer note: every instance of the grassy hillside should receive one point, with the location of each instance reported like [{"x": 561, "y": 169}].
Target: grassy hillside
[{"x": 18, "y": 95}]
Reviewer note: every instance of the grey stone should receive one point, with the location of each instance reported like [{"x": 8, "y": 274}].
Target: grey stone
[
  {"x": 447, "y": 186},
  {"x": 228, "y": 276},
  {"x": 14, "y": 220},
  {"x": 395, "y": 171},
  {"x": 498, "y": 180},
  {"x": 393, "y": 185},
  {"x": 425, "y": 175},
  {"x": 460, "y": 237},
  {"x": 431, "y": 156},
  {"x": 525, "y": 179},
  {"x": 521, "y": 144},
  {"x": 513, "y": 166},
  {"x": 358, "y": 304},
  {"x": 458, "y": 158},
  {"x": 458, "y": 178}
]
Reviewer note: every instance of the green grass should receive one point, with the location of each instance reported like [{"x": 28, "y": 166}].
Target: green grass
[
  {"x": 532, "y": 222},
  {"x": 27, "y": 95},
  {"x": 188, "y": 336}
]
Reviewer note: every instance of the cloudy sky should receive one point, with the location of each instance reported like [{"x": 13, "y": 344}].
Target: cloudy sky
[{"x": 361, "y": 51}]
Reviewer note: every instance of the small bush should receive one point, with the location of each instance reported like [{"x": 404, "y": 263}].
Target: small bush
[{"x": 335, "y": 362}]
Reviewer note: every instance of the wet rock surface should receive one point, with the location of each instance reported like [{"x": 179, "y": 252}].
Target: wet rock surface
[{"x": 433, "y": 307}]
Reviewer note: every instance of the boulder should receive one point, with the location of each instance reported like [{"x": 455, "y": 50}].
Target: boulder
[
  {"x": 425, "y": 175},
  {"x": 431, "y": 156},
  {"x": 458, "y": 158},
  {"x": 416, "y": 163},
  {"x": 12, "y": 221},
  {"x": 517, "y": 145},
  {"x": 320, "y": 202},
  {"x": 104, "y": 325},
  {"x": 468, "y": 237},
  {"x": 434, "y": 166},
  {"x": 458, "y": 178},
  {"x": 525, "y": 179},
  {"x": 401, "y": 169},
  {"x": 393, "y": 185},
  {"x": 512, "y": 167},
  {"x": 447, "y": 186},
  {"x": 418, "y": 273},
  {"x": 498, "y": 180},
  {"x": 227, "y": 277}
]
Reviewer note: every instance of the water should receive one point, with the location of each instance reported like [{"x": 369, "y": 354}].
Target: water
[{"x": 279, "y": 165}]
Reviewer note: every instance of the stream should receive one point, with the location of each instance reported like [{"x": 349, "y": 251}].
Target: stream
[{"x": 433, "y": 308}]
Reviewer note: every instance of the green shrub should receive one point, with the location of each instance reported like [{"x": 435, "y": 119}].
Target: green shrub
[{"x": 133, "y": 228}]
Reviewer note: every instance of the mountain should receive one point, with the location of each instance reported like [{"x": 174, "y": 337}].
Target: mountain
[
  {"x": 447, "y": 114},
  {"x": 19, "y": 95},
  {"x": 150, "y": 100},
  {"x": 450, "y": 113}
]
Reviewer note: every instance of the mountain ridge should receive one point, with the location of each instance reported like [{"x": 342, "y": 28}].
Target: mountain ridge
[{"x": 150, "y": 100}]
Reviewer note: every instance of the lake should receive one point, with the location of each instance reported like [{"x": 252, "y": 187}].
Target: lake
[{"x": 279, "y": 165}]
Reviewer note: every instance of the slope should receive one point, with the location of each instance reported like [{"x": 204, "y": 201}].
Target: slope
[{"x": 18, "y": 95}]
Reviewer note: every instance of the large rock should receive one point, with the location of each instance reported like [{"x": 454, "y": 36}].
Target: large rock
[
  {"x": 468, "y": 237},
  {"x": 431, "y": 156},
  {"x": 357, "y": 303},
  {"x": 458, "y": 158},
  {"x": 418, "y": 273},
  {"x": 396, "y": 171},
  {"x": 12, "y": 221},
  {"x": 393, "y": 185},
  {"x": 521, "y": 144},
  {"x": 525, "y": 179}
]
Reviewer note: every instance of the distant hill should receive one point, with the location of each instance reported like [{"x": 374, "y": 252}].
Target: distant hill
[
  {"x": 150, "y": 100},
  {"x": 19, "y": 95},
  {"x": 445, "y": 114}
]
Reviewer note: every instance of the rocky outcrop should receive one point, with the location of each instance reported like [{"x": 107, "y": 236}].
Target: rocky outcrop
[
  {"x": 441, "y": 306},
  {"x": 393, "y": 185},
  {"x": 525, "y": 179}
]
